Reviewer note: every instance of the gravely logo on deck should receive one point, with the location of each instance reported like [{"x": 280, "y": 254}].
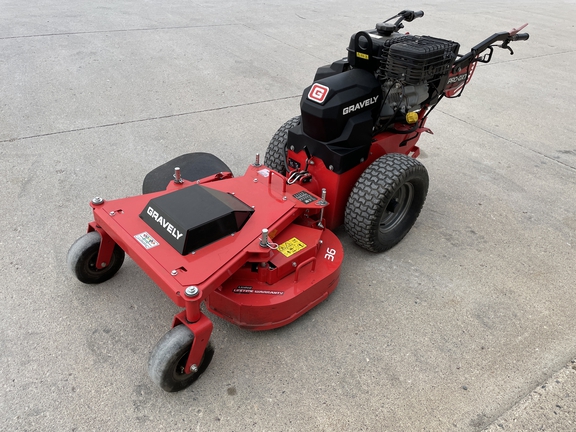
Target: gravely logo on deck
[{"x": 164, "y": 223}]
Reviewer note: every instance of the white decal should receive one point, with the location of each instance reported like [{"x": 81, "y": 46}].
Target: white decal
[
  {"x": 330, "y": 254},
  {"x": 146, "y": 240},
  {"x": 165, "y": 224},
  {"x": 360, "y": 105}
]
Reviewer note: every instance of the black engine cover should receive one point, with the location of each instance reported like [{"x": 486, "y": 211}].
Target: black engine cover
[
  {"x": 328, "y": 104},
  {"x": 338, "y": 114},
  {"x": 195, "y": 216}
]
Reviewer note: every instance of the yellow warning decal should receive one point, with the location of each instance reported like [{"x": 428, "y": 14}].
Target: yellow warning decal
[
  {"x": 290, "y": 247},
  {"x": 362, "y": 55}
]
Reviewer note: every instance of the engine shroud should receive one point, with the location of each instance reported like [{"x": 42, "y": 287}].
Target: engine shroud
[{"x": 338, "y": 130}]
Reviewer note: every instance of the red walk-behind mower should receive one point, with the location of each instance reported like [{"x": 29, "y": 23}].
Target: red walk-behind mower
[{"x": 257, "y": 249}]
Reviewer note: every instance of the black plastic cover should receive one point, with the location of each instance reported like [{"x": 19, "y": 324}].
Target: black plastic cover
[
  {"x": 338, "y": 129},
  {"x": 349, "y": 93},
  {"x": 365, "y": 49},
  {"x": 332, "y": 69},
  {"x": 338, "y": 154},
  {"x": 195, "y": 216}
]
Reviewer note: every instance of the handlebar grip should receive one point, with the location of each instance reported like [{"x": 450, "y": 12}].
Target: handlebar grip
[
  {"x": 408, "y": 15},
  {"x": 520, "y": 37}
]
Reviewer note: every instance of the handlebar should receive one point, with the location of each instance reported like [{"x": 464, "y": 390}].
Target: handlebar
[
  {"x": 405, "y": 15},
  {"x": 464, "y": 66},
  {"x": 487, "y": 44},
  {"x": 475, "y": 53}
]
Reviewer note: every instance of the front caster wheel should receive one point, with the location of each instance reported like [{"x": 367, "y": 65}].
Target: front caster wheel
[
  {"x": 168, "y": 360},
  {"x": 386, "y": 201},
  {"x": 82, "y": 256}
]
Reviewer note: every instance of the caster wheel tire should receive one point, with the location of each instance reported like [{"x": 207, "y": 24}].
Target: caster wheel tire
[
  {"x": 82, "y": 256},
  {"x": 386, "y": 201},
  {"x": 168, "y": 360},
  {"x": 276, "y": 152}
]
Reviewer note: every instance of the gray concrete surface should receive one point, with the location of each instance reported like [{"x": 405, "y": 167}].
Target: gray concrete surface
[
  {"x": 549, "y": 407},
  {"x": 456, "y": 328}
]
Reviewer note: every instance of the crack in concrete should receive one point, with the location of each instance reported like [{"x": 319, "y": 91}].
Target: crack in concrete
[
  {"x": 147, "y": 119},
  {"x": 116, "y": 31}
]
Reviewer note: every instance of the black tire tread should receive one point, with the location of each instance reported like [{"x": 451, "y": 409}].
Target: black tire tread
[
  {"x": 166, "y": 354},
  {"x": 275, "y": 157},
  {"x": 83, "y": 251},
  {"x": 371, "y": 193}
]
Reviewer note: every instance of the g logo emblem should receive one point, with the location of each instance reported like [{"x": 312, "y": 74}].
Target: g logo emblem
[{"x": 318, "y": 93}]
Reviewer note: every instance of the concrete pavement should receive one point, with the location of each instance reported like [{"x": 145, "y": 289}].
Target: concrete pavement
[{"x": 459, "y": 327}]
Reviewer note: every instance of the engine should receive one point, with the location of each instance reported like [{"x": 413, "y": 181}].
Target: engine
[
  {"x": 386, "y": 76},
  {"x": 413, "y": 70}
]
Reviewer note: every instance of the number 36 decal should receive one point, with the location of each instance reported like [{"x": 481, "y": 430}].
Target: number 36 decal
[{"x": 330, "y": 253}]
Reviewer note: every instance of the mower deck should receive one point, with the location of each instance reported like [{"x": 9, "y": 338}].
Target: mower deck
[{"x": 254, "y": 286}]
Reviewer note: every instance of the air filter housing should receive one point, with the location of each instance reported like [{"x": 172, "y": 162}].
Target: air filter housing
[{"x": 415, "y": 60}]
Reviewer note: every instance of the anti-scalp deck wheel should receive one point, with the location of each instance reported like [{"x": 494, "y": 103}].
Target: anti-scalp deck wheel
[
  {"x": 166, "y": 366},
  {"x": 275, "y": 157},
  {"x": 386, "y": 201},
  {"x": 82, "y": 256}
]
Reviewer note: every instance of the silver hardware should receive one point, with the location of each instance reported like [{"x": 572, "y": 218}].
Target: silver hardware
[
  {"x": 177, "y": 176},
  {"x": 322, "y": 202},
  {"x": 264, "y": 240},
  {"x": 97, "y": 200},
  {"x": 192, "y": 291}
]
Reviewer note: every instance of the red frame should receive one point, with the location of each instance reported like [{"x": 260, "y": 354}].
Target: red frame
[{"x": 339, "y": 186}]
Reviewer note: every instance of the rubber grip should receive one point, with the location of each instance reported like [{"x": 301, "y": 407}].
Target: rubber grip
[{"x": 520, "y": 37}]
